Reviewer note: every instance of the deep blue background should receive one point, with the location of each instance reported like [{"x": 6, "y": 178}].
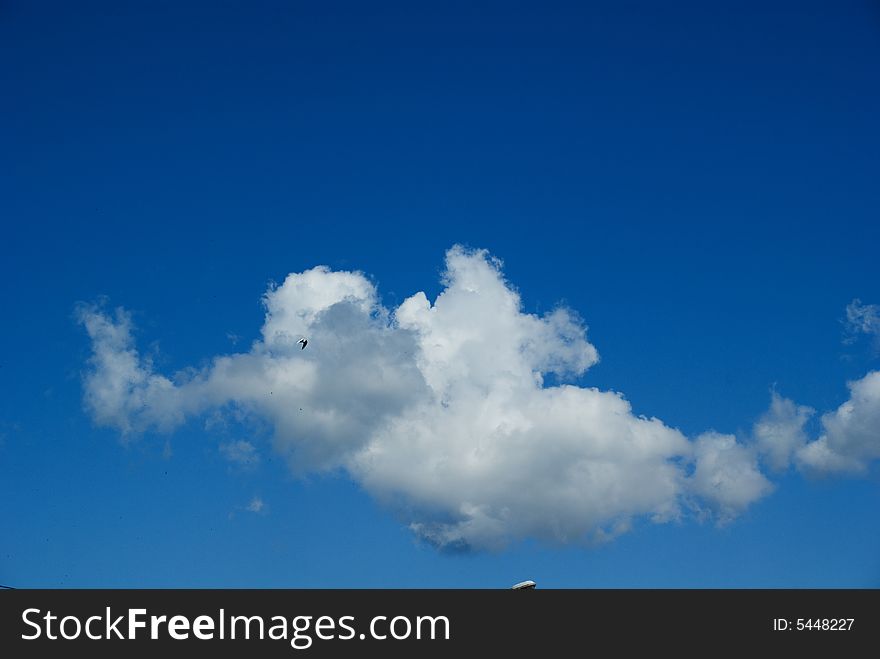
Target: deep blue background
[{"x": 698, "y": 180}]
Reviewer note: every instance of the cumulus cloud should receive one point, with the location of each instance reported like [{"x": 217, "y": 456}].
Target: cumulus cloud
[
  {"x": 439, "y": 409},
  {"x": 726, "y": 475},
  {"x": 850, "y": 440},
  {"x": 779, "y": 433}
]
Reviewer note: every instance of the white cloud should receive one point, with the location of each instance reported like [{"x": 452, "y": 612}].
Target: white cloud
[
  {"x": 256, "y": 505},
  {"x": 562, "y": 463},
  {"x": 726, "y": 475},
  {"x": 862, "y": 319},
  {"x": 850, "y": 440},
  {"x": 439, "y": 409},
  {"x": 240, "y": 452},
  {"x": 779, "y": 433},
  {"x": 121, "y": 390}
]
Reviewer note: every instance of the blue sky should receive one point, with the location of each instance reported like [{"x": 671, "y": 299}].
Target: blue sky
[{"x": 697, "y": 182}]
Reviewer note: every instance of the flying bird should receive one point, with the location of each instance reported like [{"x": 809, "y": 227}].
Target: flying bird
[{"x": 304, "y": 341}]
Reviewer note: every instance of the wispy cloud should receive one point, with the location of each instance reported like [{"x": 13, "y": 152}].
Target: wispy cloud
[
  {"x": 862, "y": 319},
  {"x": 240, "y": 452},
  {"x": 440, "y": 410},
  {"x": 256, "y": 505}
]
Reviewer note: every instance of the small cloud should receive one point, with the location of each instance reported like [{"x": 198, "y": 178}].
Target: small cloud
[
  {"x": 233, "y": 337},
  {"x": 862, "y": 319},
  {"x": 726, "y": 476},
  {"x": 256, "y": 505},
  {"x": 849, "y": 440},
  {"x": 242, "y": 453},
  {"x": 779, "y": 434}
]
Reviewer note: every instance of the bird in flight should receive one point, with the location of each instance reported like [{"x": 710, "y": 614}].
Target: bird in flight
[{"x": 304, "y": 341}]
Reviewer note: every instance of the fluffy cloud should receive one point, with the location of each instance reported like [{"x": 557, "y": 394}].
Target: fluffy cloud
[
  {"x": 726, "y": 475},
  {"x": 779, "y": 433},
  {"x": 438, "y": 409},
  {"x": 121, "y": 390},
  {"x": 849, "y": 437},
  {"x": 850, "y": 440}
]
